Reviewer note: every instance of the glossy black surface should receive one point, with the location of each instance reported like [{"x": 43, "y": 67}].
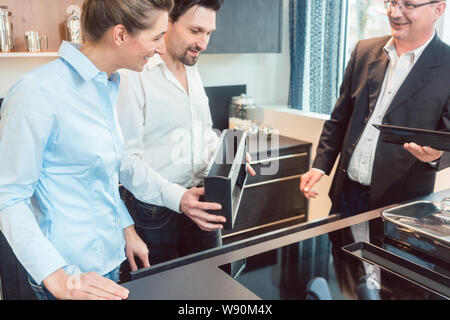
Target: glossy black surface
[
  {"x": 420, "y": 225},
  {"x": 280, "y": 265},
  {"x": 230, "y": 248},
  {"x": 284, "y": 273},
  {"x": 397, "y": 264}
]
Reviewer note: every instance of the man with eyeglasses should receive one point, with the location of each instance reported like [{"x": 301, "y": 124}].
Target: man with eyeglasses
[{"x": 404, "y": 80}]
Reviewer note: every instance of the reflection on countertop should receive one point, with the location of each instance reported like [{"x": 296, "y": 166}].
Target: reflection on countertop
[
  {"x": 287, "y": 272},
  {"x": 283, "y": 264}
]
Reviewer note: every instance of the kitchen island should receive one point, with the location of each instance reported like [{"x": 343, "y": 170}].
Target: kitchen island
[{"x": 281, "y": 264}]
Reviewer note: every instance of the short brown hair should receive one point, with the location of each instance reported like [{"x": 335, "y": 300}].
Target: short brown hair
[
  {"x": 135, "y": 15},
  {"x": 181, "y": 6}
]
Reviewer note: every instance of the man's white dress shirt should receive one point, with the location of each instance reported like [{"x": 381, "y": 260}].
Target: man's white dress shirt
[{"x": 168, "y": 133}]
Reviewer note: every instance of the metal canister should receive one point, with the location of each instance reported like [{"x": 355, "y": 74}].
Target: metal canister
[
  {"x": 6, "y": 31},
  {"x": 33, "y": 41},
  {"x": 73, "y": 29}
]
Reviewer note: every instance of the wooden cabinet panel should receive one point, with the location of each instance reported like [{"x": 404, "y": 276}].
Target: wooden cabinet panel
[{"x": 46, "y": 16}]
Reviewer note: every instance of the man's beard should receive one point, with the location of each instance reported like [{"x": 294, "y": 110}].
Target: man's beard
[{"x": 187, "y": 59}]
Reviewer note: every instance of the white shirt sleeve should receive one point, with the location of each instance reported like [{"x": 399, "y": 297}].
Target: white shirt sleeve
[
  {"x": 136, "y": 174},
  {"x": 318, "y": 170}
]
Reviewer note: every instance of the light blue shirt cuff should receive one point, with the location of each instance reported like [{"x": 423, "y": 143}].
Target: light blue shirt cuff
[
  {"x": 34, "y": 251},
  {"x": 125, "y": 219}
]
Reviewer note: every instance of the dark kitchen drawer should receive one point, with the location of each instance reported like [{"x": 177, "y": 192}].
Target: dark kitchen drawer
[
  {"x": 275, "y": 168},
  {"x": 270, "y": 201},
  {"x": 263, "y": 147}
]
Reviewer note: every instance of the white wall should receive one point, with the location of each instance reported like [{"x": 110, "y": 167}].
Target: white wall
[{"x": 446, "y": 26}]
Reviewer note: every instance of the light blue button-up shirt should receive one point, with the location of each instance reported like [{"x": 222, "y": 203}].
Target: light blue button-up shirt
[{"x": 60, "y": 147}]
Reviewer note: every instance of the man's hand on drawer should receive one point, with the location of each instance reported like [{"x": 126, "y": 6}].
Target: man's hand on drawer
[
  {"x": 307, "y": 182},
  {"x": 249, "y": 167}
]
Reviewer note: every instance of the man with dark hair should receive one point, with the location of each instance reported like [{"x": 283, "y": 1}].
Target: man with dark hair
[
  {"x": 182, "y": 6},
  {"x": 167, "y": 127}
]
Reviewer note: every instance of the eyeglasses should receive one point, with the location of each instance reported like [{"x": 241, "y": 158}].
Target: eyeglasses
[{"x": 405, "y": 6}]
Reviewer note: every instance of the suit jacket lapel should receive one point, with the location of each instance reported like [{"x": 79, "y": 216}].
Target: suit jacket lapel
[
  {"x": 376, "y": 72},
  {"x": 419, "y": 75}
]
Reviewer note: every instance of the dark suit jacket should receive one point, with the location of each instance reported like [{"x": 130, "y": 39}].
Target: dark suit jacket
[{"x": 423, "y": 101}]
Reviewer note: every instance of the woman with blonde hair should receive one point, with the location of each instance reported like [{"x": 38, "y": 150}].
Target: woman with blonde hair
[{"x": 60, "y": 145}]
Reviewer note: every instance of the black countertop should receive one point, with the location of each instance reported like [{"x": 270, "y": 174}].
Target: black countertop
[{"x": 280, "y": 264}]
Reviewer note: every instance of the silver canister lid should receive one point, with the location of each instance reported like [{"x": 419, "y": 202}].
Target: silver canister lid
[
  {"x": 243, "y": 99},
  {"x": 4, "y": 11}
]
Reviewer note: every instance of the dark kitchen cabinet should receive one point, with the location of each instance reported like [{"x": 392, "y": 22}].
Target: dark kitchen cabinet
[
  {"x": 272, "y": 201},
  {"x": 248, "y": 26}
]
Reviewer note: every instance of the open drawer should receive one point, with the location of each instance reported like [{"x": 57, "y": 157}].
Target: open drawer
[{"x": 426, "y": 278}]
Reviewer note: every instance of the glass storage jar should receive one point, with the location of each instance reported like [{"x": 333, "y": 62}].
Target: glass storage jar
[{"x": 243, "y": 114}]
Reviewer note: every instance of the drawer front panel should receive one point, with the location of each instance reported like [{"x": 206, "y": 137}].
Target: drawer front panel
[
  {"x": 270, "y": 201},
  {"x": 279, "y": 167}
]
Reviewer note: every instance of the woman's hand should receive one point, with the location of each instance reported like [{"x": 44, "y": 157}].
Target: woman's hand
[
  {"x": 135, "y": 247},
  {"x": 85, "y": 286}
]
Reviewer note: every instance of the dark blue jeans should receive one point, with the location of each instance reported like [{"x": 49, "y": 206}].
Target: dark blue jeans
[{"x": 169, "y": 234}]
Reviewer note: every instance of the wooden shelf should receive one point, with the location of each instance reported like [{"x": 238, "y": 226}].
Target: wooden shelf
[
  {"x": 28, "y": 54},
  {"x": 46, "y": 16}
]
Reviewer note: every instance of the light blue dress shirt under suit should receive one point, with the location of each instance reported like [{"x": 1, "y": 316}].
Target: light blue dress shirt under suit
[{"x": 60, "y": 147}]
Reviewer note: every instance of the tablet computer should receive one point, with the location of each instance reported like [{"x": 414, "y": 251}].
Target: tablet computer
[{"x": 439, "y": 140}]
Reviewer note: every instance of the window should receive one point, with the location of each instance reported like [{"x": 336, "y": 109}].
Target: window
[
  {"x": 323, "y": 35},
  {"x": 366, "y": 19}
]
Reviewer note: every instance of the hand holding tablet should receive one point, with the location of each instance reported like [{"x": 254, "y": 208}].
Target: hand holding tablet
[{"x": 438, "y": 140}]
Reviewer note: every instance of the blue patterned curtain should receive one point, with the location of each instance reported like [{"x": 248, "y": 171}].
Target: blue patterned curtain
[{"x": 316, "y": 32}]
